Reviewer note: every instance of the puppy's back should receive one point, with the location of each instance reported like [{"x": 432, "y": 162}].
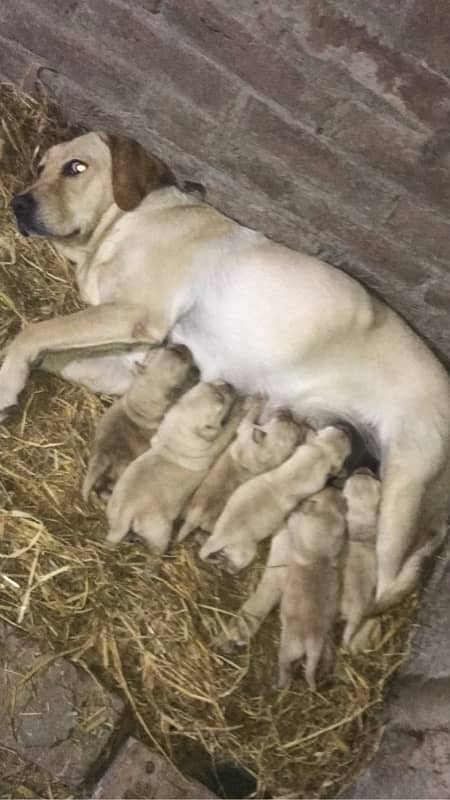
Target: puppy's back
[{"x": 311, "y": 595}]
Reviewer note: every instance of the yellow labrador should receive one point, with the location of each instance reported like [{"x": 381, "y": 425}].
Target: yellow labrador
[
  {"x": 256, "y": 449},
  {"x": 154, "y": 488},
  {"x": 258, "y": 508},
  {"x": 152, "y": 261},
  {"x": 311, "y": 595},
  {"x": 126, "y": 428}
]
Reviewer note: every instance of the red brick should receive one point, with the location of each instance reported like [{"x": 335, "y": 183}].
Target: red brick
[
  {"x": 310, "y": 159},
  {"x": 325, "y": 32},
  {"x": 385, "y": 145},
  {"x": 44, "y": 36},
  {"x": 16, "y": 63},
  {"x": 157, "y": 123},
  {"x": 421, "y": 228},
  {"x": 44, "y": 719},
  {"x": 426, "y": 34},
  {"x": 139, "y": 772},
  {"x": 156, "y": 52},
  {"x": 230, "y": 44}
]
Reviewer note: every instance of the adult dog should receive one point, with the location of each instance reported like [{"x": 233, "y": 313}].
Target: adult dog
[{"x": 152, "y": 261}]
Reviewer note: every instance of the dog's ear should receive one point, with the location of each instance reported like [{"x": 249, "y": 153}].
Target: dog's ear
[{"x": 135, "y": 173}]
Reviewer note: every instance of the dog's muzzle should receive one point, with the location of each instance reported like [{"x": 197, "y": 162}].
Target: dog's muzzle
[{"x": 24, "y": 207}]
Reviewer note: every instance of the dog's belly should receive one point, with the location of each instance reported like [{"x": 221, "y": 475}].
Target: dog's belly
[
  {"x": 312, "y": 340},
  {"x": 308, "y": 386}
]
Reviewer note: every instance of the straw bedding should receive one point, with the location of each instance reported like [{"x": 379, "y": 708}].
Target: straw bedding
[{"x": 147, "y": 626}]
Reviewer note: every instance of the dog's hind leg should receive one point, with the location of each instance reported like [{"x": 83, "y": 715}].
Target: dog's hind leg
[{"x": 408, "y": 474}]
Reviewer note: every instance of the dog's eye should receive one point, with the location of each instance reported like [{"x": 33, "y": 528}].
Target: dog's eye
[{"x": 73, "y": 168}]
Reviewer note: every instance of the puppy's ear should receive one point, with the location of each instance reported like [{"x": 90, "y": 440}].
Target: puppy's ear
[
  {"x": 135, "y": 173},
  {"x": 174, "y": 393}
]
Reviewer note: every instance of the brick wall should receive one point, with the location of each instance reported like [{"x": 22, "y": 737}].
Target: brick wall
[{"x": 326, "y": 124}]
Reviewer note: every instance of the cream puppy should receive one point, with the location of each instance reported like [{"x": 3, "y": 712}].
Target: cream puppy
[
  {"x": 126, "y": 428},
  {"x": 154, "y": 488},
  {"x": 258, "y": 508},
  {"x": 310, "y": 599},
  {"x": 362, "y": 492},
  {"x": 266, "y": 596},
  {"x": 256, "y": 449}
]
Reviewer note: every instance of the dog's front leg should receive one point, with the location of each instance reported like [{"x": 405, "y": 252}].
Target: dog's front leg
[{"x": 95, "y": 326}]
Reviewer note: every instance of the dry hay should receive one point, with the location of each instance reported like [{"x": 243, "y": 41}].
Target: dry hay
[{"x": 146, "y": 625}]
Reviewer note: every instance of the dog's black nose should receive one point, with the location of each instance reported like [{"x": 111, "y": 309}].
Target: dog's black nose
[{"x": 23, "y": 205}]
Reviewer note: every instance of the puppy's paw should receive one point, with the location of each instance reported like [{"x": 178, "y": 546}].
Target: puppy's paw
[
  {"x": 238, "y": 635},
  {"x": 102, "y": 474}
]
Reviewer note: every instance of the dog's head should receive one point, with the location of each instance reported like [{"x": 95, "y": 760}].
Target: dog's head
[{"x": 80, "y": 179}]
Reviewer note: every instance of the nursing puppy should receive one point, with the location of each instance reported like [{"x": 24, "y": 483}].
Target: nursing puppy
[
  {"x": 362, "y": 492},
  {"x": 154, "y": 488},
  {"x": 256, "y": 449},
  {"x": 258, "y": 508},
  {"x": 310, "y": 599},
  {"x": 266, "y": 596},
  {"x": 126, "y": 428}
]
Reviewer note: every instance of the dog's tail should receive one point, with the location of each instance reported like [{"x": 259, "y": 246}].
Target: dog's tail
[
  {"x": 408, "y": 577},
  {"x": 97, "y": 467}
]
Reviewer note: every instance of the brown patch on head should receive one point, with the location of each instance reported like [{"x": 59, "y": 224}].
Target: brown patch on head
[{"x": 135, "y": 173}]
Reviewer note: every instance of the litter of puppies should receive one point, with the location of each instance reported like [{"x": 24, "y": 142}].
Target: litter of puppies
[
  {"x": 144, "y": 624},
  {"x": 197, "y": 453}
]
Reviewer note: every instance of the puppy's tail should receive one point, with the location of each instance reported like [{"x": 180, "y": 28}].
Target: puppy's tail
[
  {"x": 408, "y": 577},
  {"x": 97, "y": 466}
]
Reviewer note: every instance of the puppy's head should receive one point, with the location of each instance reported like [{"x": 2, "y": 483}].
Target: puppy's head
[
  {"x": 337, "y": 444},
  {"x": 362, "y": 492},
  {"x": 80, "y": 179},
  {"x": 206, "y": 408},
  {"x": 268, "y": 445},
  {"x": 171, "y": 371},
  {"x": 317, "y": 528}
]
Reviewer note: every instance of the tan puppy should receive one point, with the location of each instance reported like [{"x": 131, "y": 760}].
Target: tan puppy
[
  {"x": 153, "y": 490},
  {"x": 362, "y": 492},
  {"x": 310, "y": 601},
  {"x": 266, "y": 596},
  {"x": 258, "y": 508},
  {"x": 126, "y": 428},
  {"x": 256, "y": 449}
]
